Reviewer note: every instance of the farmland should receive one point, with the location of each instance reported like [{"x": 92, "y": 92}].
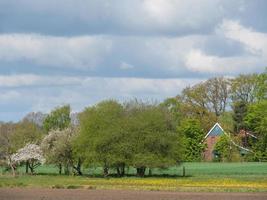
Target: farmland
[{"x": 217, "y": 177}]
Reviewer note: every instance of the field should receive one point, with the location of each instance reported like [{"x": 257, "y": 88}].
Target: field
[{"x": 217, "y": 177}]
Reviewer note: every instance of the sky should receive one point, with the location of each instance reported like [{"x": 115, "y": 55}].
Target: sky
[{"x": 79, "y": 52}]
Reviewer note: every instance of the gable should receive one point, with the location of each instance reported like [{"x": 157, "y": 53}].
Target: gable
[{"x": 216, "y": 130}]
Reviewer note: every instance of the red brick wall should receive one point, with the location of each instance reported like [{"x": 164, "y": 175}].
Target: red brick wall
[{"x": 210, "y": 141}]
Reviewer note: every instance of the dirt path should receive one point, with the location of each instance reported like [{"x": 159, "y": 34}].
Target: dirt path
[{"x": 63, "y": 194}]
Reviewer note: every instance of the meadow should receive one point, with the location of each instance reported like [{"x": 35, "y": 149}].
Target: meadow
[{"x": 219, "y": 177}]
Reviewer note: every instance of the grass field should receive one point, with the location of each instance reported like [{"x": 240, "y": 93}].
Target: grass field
[{"x": 241, "y": 177}]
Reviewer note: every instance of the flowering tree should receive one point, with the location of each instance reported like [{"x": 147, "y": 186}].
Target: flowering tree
[
  {"x": 31, "y": 153},
  {"x": 57, "y": 148}
]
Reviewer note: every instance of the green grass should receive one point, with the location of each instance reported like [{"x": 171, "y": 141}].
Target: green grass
[
  {"x": 239, "y": 177},
  {"x": 192, "y": 169}
]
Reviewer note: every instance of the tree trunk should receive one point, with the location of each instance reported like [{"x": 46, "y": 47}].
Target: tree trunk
[
  {"x": 13, "y": 170},
  {"x": 183, "y": 171},
  {"x": 12, "y": 167},
  {"x": 66, "y": 170},
  {"x": 121, "y": 170},
  {"x": 78, "y": 168},
  {"x": 141, "y": 171},
  {"x": 105, "y": 171},
  {"x": 31, "y": 166},
  {"x": 60, "y": 168},
  {"x": 118, "y": 171},
  {"x": 27, "y": 167},
  {"x": 150, "y": 172}
]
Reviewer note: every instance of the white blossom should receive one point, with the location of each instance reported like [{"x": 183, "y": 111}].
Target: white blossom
[{"x": 30, "y": 152}]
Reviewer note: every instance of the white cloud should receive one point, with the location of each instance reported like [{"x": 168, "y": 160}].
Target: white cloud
[
  {"x": 75, "y": 52},
  {"x": 175, "y": 12},
  {"x": 126, "y": 66},
  {"x": 198, "y": 61},
  {"x": 84, "y": 91},
  {"x": 127, "y": 16},
  {"x": 9, "y": 96},
  {"x": 23, "y": 80},
  {"x": 255, "y": 42},
  {"x": 93, "y": 90}
]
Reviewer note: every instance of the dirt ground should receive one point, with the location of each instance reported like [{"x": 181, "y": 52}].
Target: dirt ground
[{"x": 68, "y": 194}]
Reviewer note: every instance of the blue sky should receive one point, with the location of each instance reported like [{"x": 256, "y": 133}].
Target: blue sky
[{"x": 81, "y": 52}]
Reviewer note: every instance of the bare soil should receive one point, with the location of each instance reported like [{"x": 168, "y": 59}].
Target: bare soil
[{"x": 78, "y": 194}]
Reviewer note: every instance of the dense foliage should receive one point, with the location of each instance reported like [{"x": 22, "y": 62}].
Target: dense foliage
[
  {"x": 146, "y": 136},
  {"x": 137, "y": 134},
  {"x": 59, "y": 118}
]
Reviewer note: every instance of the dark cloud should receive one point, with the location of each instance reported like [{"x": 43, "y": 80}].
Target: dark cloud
[
  {"x": 116, "y": 17},
  {"x": 99, "y": 49},
  {"x": 222, "y": 47}
]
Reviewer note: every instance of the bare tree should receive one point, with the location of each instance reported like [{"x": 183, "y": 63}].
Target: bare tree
[
  {"x": 7, "y": 147},
  {"x": 217, "y": 91}
]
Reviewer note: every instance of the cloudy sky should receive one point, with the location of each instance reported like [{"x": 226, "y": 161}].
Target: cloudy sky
[{"x": 79, "y": 52}]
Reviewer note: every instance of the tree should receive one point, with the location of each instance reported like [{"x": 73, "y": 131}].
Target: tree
[
  {"x": 31, "y": 154},
  {"x": 245, "y": 88},
  {"x": 173, "y": 105},
  {"x": 59, "y": 118},
  {"x": 7, "y": 147},
  {"x": 26, "y": 132},
  {"x": 102, "y": 140},
  {"x": 211, "y": 95},
  {"x": 195, "y": 105},
  {"x": 239, "y": 113},
  {"x": 225, "y": 150},
  {"x": 154, "y": 139},
  {"x": 57, "y": 148},
  {"x": 193, "y": 139},
  {"x": 217, "y": 94},
  {"x": 136, "y": 134},
  {"x": 262, "y": 86},
  {"x": 36, "y": 118},
  {"x": 256, "y": 121},
  {"x": 226, "y": 121}
]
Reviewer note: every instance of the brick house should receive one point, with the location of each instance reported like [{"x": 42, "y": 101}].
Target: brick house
[
  {"x": 214, "y": 135},
  {"x": 210, "y": 139}
]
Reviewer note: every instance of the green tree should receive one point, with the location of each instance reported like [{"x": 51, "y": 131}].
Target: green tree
[
  {"x": 262, "y": 86},
  {"x": 245, "y": 88},
  {"x": 102, "y": 141},
  {"x": 211, "y": 95},
  {"x": 226, "y": 121},
  {"x": 59, "y": 118},
  {"x": 173, "y": 105},
  {"x": 26, "y": 132},
  {"x": 195, "y": 104},
  {"x": 239, "y": 113},
  {"x": 154, "y": 139},
  {"x": 225, "y": 150},
  {"x": 193, "y": 139},
  {"x": 256, "y": 121}
]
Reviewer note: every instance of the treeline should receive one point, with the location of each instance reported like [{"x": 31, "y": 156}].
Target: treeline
[{"x": 142, "y": 135}]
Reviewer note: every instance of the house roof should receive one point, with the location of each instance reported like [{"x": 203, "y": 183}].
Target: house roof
[{"x": 216, "y": 130}]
